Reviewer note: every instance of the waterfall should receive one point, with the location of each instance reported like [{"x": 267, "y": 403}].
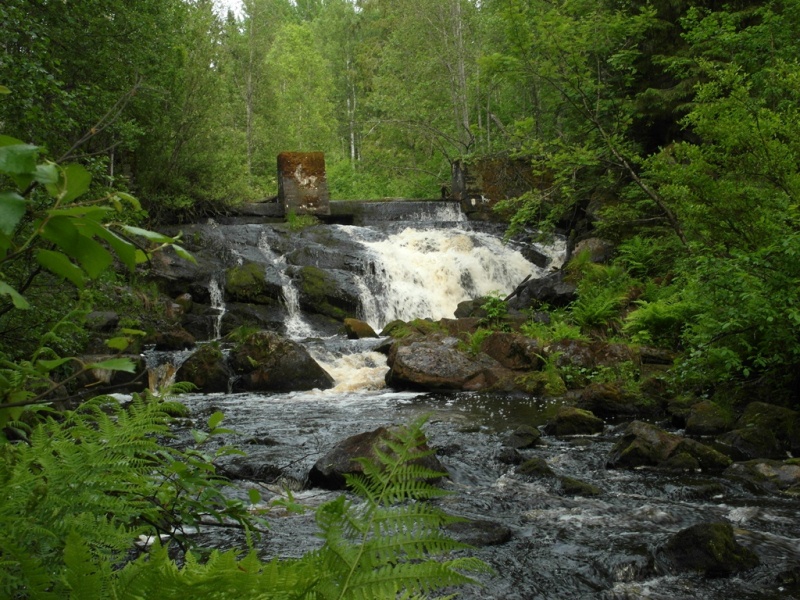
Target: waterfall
[
  {"x": 217, "y": 304},
  {"x": 425, "y": 273},
  {"x": 296, "y": 326}
]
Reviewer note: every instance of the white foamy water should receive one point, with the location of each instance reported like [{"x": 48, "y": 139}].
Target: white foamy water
[
  {"x": 217, "y": 298},
  {"x": 362, "y": 371},
  {"x": 426, "y": 273}
]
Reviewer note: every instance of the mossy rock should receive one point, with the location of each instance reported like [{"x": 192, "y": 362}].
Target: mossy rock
[
  {"x": 783, "y": 422},
  {"x": 750, "y": 442},
  {"x": 358, "y": 330},
  {"x": 248, "y": 283},
  {"x": 535, "y": 467},
  {"x": 524, "y": 436},
  {"x": 206, "y": 369},
  {"x": 708, "y": 418},
  {"x": 765, "y": 476},
  {"x": 574, "y": 421},
  {"x": 707, "y": 548},
  {"x": 576, "y": 487},
  {"x": 321, "y": 292}
]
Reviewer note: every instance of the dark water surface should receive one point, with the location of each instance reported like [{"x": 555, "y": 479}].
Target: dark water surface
[{"x": 562, "y": 546}]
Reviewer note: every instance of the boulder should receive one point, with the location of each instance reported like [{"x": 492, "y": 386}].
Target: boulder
[
  {"x": 331, "y": 292},
  {"x": 173, "y": 339},
  {"x": 766, "y": 476},
  {"x": 576, "y": 487},
  {"x": 102, "y": 320},
  {"x": 330, "y": 470},
  {"x": 611, "y": 401},
  {"x": 599, "y": 250},
  {"x": 552, "y": 290},
  {"x": 783, "y": 422},
  {"x": 268, "y": 362},
  {"x": 436, "y": 363},
  {"x": 513, "y": 351},
  {"x": 509, "y": 456},
  {"x": 749, "y": 443},
  {"x": 574, "y": 421},
  {"x": 535, "y": 467},
  {"x": 206, "y": 369},
  {"x": 357, "y": 330},
  {"x": 250, "y": 283},
  {"x": 643, "y": 445},
  {"x": 708, "y": 418},
  {"x": 707, "y": 548},
  {"x": 524, "y": 436}
]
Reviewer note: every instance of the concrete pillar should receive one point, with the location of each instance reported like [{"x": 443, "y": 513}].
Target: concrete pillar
[{"x": 302, "y": 183}]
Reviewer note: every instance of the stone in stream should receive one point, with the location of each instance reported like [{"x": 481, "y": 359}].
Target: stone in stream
[
  {"x": 479, "y": 533},
  {"x": 524, "y": 436},
  {"x": 707, "y": 548},
  {"x": 268, "y": 362},
  {"x": 574, "y": 421},
  {"x": 643, "y": 444},
  {"x": 708, "y": 418},
  {"x": 357, "y": 330},
  {"x": 767, "y": 476},
  {"x": 330, "y": 470},
  {"x": 206, "y": 369}
]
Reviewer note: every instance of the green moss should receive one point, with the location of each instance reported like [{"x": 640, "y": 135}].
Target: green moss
[{"x": 314, "y": 283}]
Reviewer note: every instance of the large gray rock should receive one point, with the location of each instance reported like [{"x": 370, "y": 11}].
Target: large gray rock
[
  {"x": 552, "y": 290},
  {"x": 268, "y": 362},
  {"x": 574, "y": 421},
  {"x": 513, "y": 351},
  {"x": 206, "y": 369},
  {"x": 436, "y": 363},
  {"x": 767, "y": 476},
  {"x": 330, "y": 470},
  {"x": 707, "y": 548},
  {"x": 708, "y": 418},
  {"x": 783, "y": 422}
]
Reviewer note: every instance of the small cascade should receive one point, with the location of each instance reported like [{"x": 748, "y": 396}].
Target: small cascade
[
  {"x": 162, "y": 366},
  {"x": 296, "y": 326},
  {"x": 355, "y": 365},
  {"x": 217, "y": 304},
  {"x": 425, "y": 273}
]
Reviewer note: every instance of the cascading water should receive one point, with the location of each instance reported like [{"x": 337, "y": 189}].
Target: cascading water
[
  {"x": 217, "y": 298},
  {"x": 296, "y": 326},
  {"x": 426, "y": 273}
]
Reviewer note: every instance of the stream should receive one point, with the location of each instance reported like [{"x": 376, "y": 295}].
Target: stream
[{"x": 561, "y": 546}]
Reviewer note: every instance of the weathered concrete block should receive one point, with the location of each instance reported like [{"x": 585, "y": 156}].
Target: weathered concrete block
[{"x": 302, "y": 183}]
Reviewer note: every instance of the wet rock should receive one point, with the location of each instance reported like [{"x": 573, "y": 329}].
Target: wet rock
[
  {"x": 783, "y": 422},
  {"x": 576, "y": 487},
  {"x": 599, "y": 250},
  {"x": 479, "y": 533},
  {"x": 259, "y": 316},
  {"x": 330, "y": 470},
  {"x": 524, "y": 436},
  {"x": 331, "y": 292},
  {"x": 244, "y": 467},
  {"x": 552, "y": 290},
  {"x": 535, "y": 467},
  {"x": 574, "y": 421},
  {"x": 357, "y": 330},
  {"x": 513, "y": 351},
  {"x": 174, "y": 339},
  {"x": 766, "y": 476},
  {"x": 609, "y": 401},
  {"x": 436, "y": 363},
  {"x": 509, "y": 456},
  {"x": 250, "y": 283},
  {"x": 708, "y": 548},
  {"x": 643, "y": 444},
  {"x": 268, "y": 362},
  {"x": 708, "y": 418},
  {"x": 206, "y": 369},
  {"x": 749, "y": 443}
]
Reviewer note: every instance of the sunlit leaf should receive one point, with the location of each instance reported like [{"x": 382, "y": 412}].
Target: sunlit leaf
[
  {"x": 215, "y": 419},
  {"x": 118, "y": 343},
  {"x": 46, "y": 173},
  {"x": 150, "y": 235},
  {"x": 49, "y": 365},
  {"x": 183, "y": 253},
  {"x": 18, "y": 159},
  {"x": 115, "y": 364},
  {"x": 77, "y": 180},
  {"x": 4, "y": 90}
]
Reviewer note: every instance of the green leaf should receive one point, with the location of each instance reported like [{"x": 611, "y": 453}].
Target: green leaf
[
  {"x": 118, "y": 343},
  {"x": 46, "y": 174},
  {"x": 49, "y": 365},
  {"x": 115, "y": 364},
  {"x": 90, "y": 212},
  {"x": 127, "y": 331},
  {"x": 150, "y": 235},
  {"x": 183, "y": 253},
  {"x": 58, "y": 264},
  {"x": 16, "y": 298},
  {"x": 76, "y": 181},
  {"x": 215, "y": 419},
  {"x": 4, "y": 90},
  {"x": 125, "y": 251},
  {"x": 18, "y": 159},
  {"x": 254, "y": 495},
  {"x": 7, "y": 140},
  {"x": 12, "y": 208},
  {"x": 129, "y": 199},
  {"x": 92, "y": 256}
]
